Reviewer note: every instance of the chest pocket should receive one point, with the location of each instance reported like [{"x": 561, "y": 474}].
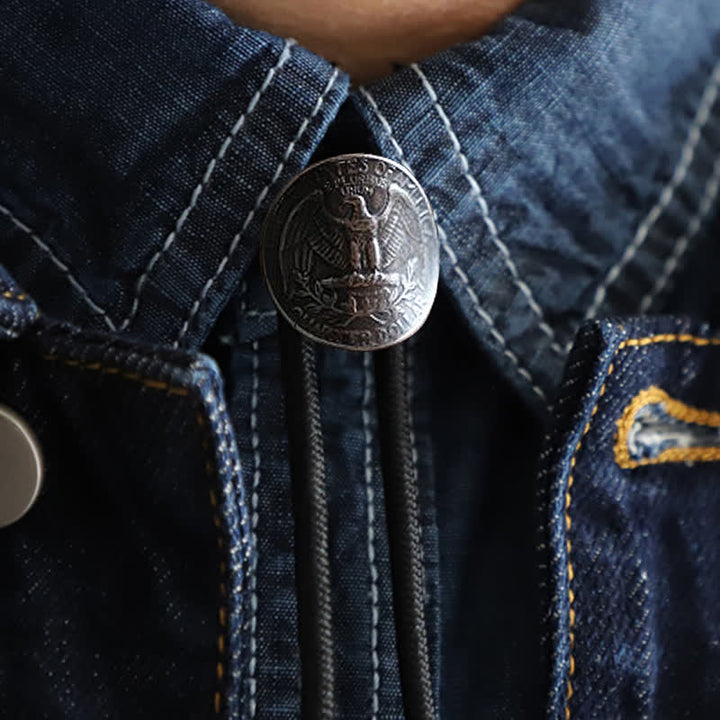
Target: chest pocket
[
  {"x": 123, "y": 586},
  {"x": 633, "y": 487}
]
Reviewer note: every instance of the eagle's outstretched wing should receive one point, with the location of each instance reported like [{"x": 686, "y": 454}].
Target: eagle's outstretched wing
[
  {"x": 399, "y": 224},
  {"x": 310, "y": 225}
]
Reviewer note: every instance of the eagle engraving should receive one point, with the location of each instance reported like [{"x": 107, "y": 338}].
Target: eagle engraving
[{"x": 356, "y": 244}]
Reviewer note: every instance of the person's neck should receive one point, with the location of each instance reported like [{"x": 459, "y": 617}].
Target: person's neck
[{"x": 367, "y": 37}]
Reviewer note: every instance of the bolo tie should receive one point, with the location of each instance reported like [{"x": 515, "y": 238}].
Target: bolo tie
[{"x": 351, "y": 258}]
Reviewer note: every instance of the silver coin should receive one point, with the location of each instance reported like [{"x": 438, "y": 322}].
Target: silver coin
[
  {"x": 350, "y": 252},
  {"x": 22, "y": 471}
]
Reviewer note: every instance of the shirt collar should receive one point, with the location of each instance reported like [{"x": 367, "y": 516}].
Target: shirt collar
[
  {"x": 569, "y": 156},
  {"x": 140, "y": 144}
]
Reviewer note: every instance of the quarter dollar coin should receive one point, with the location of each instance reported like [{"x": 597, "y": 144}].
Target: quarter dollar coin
[{"x": 350, "y": 252}]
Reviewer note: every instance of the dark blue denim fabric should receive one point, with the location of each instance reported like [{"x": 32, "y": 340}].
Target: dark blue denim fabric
[
  {"x": 571, "y": 158},
  {"x": 631, "y": 551},
  {"x": 364, "y": 628},
  {"x": 18, "y": 311},
  {"x": 136, "y": 152},
  {"x": 546, "y": 148},
  {"x": 113, "y": 584}
]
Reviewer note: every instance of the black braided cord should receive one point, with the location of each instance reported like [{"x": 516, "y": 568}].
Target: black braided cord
[
  {"x": 312, "y": 553},
  {"x": 307, "y": 462},
  {"x": 404, "y": 531}
]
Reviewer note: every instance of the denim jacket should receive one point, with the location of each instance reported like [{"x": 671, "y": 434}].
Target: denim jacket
[{"x": 565, "y": 390}]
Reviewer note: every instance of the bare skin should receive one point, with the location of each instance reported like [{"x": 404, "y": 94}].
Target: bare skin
[{"x": 366, "y": 37}]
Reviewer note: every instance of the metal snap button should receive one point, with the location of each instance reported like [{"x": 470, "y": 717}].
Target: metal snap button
[
  {"x": 20, "y": 467},
  {"x": 350, "y": 252}
]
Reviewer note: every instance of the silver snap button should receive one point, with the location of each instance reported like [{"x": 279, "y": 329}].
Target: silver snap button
[
  {"x": 350, "y": 252},
  {"x": 20, "y": 467}
]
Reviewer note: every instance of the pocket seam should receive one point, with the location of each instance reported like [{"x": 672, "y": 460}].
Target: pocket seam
[{"x": 202, "y": 423}]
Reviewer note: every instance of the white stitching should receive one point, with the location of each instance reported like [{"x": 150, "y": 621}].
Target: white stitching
[
  {"x": 686, "y": 158},
  {"x": 243, "y": 294},
  {"x": 255, "y": 443},
  {"x": 474, "y": 300},
  {"x": 370, "y": 494},
  {"x": 259, "y": 313},
  {"x": 170, "y": 239},
  {"x": 244, "y": 312},
  {"x": 386, "y": 126},
  {"x": 485, "y": 212},
  {"x": 258, "y": 202},
  {"x": 706, "y": 205},
  {"x": 97, "y": 310},
  {"x": 238, "y": 553}
]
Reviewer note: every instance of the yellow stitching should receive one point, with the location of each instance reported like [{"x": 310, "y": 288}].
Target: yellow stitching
[
  {"x": 155, "y": 384},
  {"x": 668, "y": 338},
  {"x": 135, "y": 377},
  {"x": 173, "y": 390},
  {"x": 681, "y": 411},
  {"x": 14, "y": 296},
  {"x": 220, "y": 668},
  {"x": 630, "y": 342}
]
